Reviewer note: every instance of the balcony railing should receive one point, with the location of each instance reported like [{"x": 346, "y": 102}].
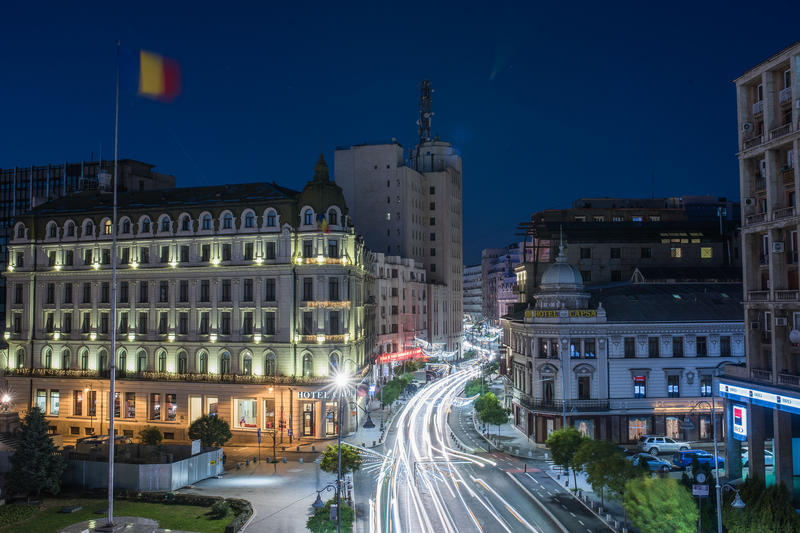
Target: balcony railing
[
  {"x": 758, "y": 107},
  {"x": 780, "y": 131},
  {"x": 785, "y": 95},
  {"x": 758, "y": 218},
  {"x": 761, "y": 374},
  {"x": 793, "y": 380},
  {"x": 785, "y": 212},
  {"x": 787, "y": 296},
  {"x": 758, "y": 296},
  {"x": 558, "y": 405},
  {"x": 752, "y": 141},
  {"x": 166, "y": 376}
]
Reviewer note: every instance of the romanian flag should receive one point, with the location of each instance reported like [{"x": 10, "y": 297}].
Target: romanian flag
[
  {"x": 154, "y": 76},
  {"x": 323, "y": 225}
]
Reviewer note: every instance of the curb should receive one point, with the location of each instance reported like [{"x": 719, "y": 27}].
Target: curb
[
  {"x": 550, "y": 515},
  {"x": 583, "y": 503},
  {"x": 496, "y": 447}
]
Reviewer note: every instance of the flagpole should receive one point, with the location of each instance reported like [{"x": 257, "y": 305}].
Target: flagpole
[{"x": 113, "y": 358}]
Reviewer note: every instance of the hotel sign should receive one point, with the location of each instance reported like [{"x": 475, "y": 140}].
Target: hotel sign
[
  {"x": 321, "y": 394},
  {"x": 555, "y": 313}
]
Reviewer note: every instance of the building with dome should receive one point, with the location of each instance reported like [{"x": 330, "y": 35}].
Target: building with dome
[
  {"x": 234, "y": 300},
  {"x": 621, "y": 360}
]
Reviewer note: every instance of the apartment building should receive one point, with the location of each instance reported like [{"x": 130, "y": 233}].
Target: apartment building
[
  {"x": 473, "y": 293},
  {"x": 763, "y": 397},
  {"x": 499, "y": 280},
  {"x": 233, "y": 300}
]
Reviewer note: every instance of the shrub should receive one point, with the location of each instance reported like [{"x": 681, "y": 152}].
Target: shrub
[
  {"x": 151, "y": 435},
  {"x": 320, "y": 521},
  {"x": 472, "y": 387},
  {"x": 220, "y": 509},
  {"x": 11, "y": 514}
]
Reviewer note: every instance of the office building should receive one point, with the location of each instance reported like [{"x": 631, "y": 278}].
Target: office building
[{"x": 473, "y": 293}]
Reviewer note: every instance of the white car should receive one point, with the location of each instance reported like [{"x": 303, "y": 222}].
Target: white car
[{"x": 656, "y": 445}]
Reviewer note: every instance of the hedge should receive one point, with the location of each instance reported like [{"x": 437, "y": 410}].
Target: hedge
[{"x": 242, "y": 509}]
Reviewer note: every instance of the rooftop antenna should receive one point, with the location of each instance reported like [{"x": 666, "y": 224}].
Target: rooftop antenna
[
  {"x": 425, "y": 113},
  {"x": 561, "y": 239}
]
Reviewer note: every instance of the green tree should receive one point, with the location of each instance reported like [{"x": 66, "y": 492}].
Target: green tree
[
  {"x": 767, "y": 509},
  {"x": 351, "y": 459},
  {"x": 472, "y": 387},
  {"x": 563, "y": 445},
  {"x": 660, "y": 505},
  {"x": 35, "y": 465},
  {"x": 493, "y": 412},
  {"x": 211, "y": 430},
  {"x": 599, "y": 459},
  {"x": 151, "y": 435}
]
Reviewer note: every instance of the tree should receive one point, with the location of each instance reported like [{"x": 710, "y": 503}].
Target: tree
[
  {"x": 351, "y": 459},
  {"x": 151, "y": 435},
  {"x": 563, "y": 445},
  {"x": 35, "y": 466},
  {"x": 660, "y": 505},
  {"x": 600, "y": 459},
  {"x": 211, "y": 430},
  {"x": 767, "y": 509},
  {"x": 472, "y": 387},
  {"x": 493, "y": 412}
]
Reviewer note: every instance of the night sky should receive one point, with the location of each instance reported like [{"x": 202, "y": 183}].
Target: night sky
[{"x": 546, "y": 103}]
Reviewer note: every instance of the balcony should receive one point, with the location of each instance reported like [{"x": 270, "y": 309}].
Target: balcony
[
  {"x": 786, "y": 212},
  {"x": 792, "y": 380},
  {"x": 758, "y": 218},
  {"x": 761, "y": 374},
  {"x": 758, "y": 296},
  {"x": 780, "y": 131},
  {"x": 787, "y": 296},
  {"x": 537, "y": 404},
  {"x": 785, "y": 95},
  {"x": 758, "y": 107},
  {"x": 753, "y": 141}
]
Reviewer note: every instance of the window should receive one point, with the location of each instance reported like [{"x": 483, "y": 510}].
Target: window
[
  {"x": 616, "y": 275},
  {"x": 85, "y": 323},
  {"x": 164, "y": 255},
  {"x": 55, "y": 402},
  {"x": 162, "y": 323},
  {"x": 186, "y": 224},
  {"x": 104, "y": 323},
  {"x": 333, "y": 248},
  {"x": 20, "y": 262},
  {"x": 143, "y": 296},
  {"x": 155, "y": 406},
  {"x": 308, "y": 369},
  {"x": 183, "y": 290},
  {"x": 182, "y": 363},
  {"x": 205, "y": 290},
  {"x": 146, "y": 225},
  {"x": 84, "y": 359},
  {"x": 126, "y": 226},
  {"x": 162, "y": 361},
  {"x": 102, "y": 360},
  {"x": 47, "y": 358},
  {"x": 227, "y": 221},
  {"x": 204, "y": 323},
  {"x": 48, "y": 322},
  {"x": 652, "y": 347},
  {"x": 676, "y": 252},
  {"x": 705, "y": 385},
  {"x": 87, "y": 293},
  {"x": 225, "y": 363},
  {"x": 589, "y": 348},
  {"x": 586, "y": 275},
  {"x": 226, "y": 252},
  {"x": 308, "y": 323},
  {"x": 141, "y": 361},
  {"x": 88, "y": 230},
  {"x": 269, "y": 323},
  {"x": 66, "y": 356},
  {"x": 586, "y": 253},
  {"x": 308, "y": 217},
  {"x": 270, "y": 250},
  {"x": 207, "y": 222},
  {"x": 247, "y": 290},
  {"x": 673, "y": 386},
  {"x": 247, "y": 323},
  {"x": 51, "y": 293},
  {"x": 725, "y": 346},
  {"x": 639, "y": 387},
  {"x": 70, "y": 229},
  {"x": 202, "y": 363},
  {"x": 249, "y": 220},
  {"x": 269, "y": 365},
  {"x": 677, "y": 346},
  {"x": 123, "y": 292},
  {"x": 433, "y": 237},
  {"x": 205, "y": 253},
  {"x": 225, "y": 323},
  {"x": 271, "y": 219},
  {"x": 165, "y": 223},
  {"x": 702, "y": 349},
  {"x": 184, "y": 254},
  {"x": 248, "y": 251},
  {"x": 308, "y": 289},
  {"x": 123, "y": 361},
  {"x": 308, "y": 249},
  {"x": 706, "y": 252},
  {"x": 51, "y": 258},
  {"x": 333, "y": 321},
  {"x": 77, "y": 403},
  {"x": 66, "y": 323},
  {"x": 69, "y": 257},
  {"x": 163, "y": 291},
  {"x": 125, "y": 256},
  {"x": 41, "y": 400},
  {"x": 616, "y": 253},
  {"x": 269, "y": 292},
  {"x": 225, "y": 296},
  {"x": 123, "y": 323},
  {"x": 333, "y": 289},
  {"x": 183, "y": 323},
  {"x": 433, "y": 252},
  {"x": 646, "y": 253},
  {"x": 107, "y": 228},
  {"x": 245, "y": 413},
  {"x": 630, "y": 347},
  {"x": 105, "y": 292},
  {"x": 143, "y": 323},
  {"x": 130, "y": 405},
  {"x": 584, "y": 387},
  {"x": 247, "y": 365},
  {"x": 144, "y": 254}
]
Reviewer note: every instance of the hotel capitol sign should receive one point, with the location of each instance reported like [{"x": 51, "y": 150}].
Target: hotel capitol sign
[{"x": 556, "y": 313}]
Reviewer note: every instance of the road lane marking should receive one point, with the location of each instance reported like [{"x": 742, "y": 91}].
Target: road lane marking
[
  {"x": 581, "y": 522},
  {"x": 573, "y": 514}
]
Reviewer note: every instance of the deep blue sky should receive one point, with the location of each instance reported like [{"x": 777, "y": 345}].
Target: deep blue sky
[{"x": 546, "y": 103}]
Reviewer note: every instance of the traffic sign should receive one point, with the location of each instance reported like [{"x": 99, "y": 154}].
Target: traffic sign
[{"x": 700, "y": 490}]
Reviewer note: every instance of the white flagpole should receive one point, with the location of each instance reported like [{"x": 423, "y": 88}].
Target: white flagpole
[{"x": 113, "y": 365}]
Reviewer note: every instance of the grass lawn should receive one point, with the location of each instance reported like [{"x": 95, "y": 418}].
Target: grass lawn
[{"x": 48, "y": 520}]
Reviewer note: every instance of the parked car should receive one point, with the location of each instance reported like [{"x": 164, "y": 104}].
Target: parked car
[
  {"x": 97, "y": 440},
  {"x": 657, "y": 445},
  {"x": 684, "y": 458},
  {"x": 653, "y": 463},
  {"x": 769, "y": 459}
]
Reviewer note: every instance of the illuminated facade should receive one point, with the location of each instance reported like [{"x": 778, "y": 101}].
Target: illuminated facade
[
  {"x": 620, "y": 361},
  {"x": 235, "y": 300}
]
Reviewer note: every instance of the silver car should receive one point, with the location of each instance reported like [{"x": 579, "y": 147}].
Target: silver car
[{"x": 657, "y": 445}]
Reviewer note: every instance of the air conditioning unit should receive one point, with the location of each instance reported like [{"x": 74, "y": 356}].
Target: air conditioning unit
[
  {"x": 780, "y": 321},
  {"x": 777, "y": 247},
  {"x": 750, "y": 201},
  {"x": 755, "y": 324},
  {"x": 747, "y": 126}
]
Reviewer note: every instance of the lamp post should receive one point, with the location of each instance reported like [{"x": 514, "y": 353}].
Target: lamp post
[
  {"x": 340, "y": 380},
  {"x": 90, "y": 411},
  {"x": 713, "y": 410}
]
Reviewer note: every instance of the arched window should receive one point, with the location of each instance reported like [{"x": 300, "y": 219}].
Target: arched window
[
  {"x": 20, "y": 358},
  {"x": 333, "y": 363},
  {"x": 53, "y": 233},
  {"x": 308, "y": 366},
  {"x": 271, "y": 219},
  {"x": 88, "y": 229},
  {"x": 65, "y": 358},
  {"x": 103, "y": 360},
  {"x": 207, "y": 222},
  {"x": 20, "y": 231},
  {"x": 47, "y": 359},
  {"x": 165, "y": 224},
  {"x": 185, "y": 223},
  {"x": 107, "y": 228},
  {"x": 249, "y": 220},
  {"x": 269, "y": 365},
  {"x": 146, "y": 225},
  {"x": 183, "y": 365},
  {"x": 126, "y": 226},
  {"x": 122, "y": 363},
  {"x": 202, "y": 363},
  {"x": 227, "y": 221},
  {"x": 225, "y": 363},
  {"x": 308, "y": 217},
  {"x": 162, "y": 361},
  {"x": 70, "y": 229},
  {"x": 141, "y": 361},
  {"x": 84, "y": 359},
  {"x": 247, "y": 365},
  {"x": 333, "y": 217}
]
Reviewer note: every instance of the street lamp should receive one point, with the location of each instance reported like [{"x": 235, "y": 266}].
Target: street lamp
[
  {"x": 713, "y": 410},
  {"x": 6, "y": 401},
  {"x": 87, "y": 391},
  {"x": 318, "y": 503},
  {"x": 341, "y": 379},
  {"x": 737, "y": 502}
]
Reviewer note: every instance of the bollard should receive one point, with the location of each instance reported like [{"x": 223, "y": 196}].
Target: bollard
[
  {"x": 363, "y": 445},
  {"x": 313, "y": 448},
  {"x": 300, "y": 460},
  {"x": 283, "y": 459},
  {"x": 267, "y": 459},
  {"x": 238, "y": 466},
  {"x": 608, "y": 517},
  {"x": 255, "y": 459},
  {"x": 373, "y": 444},
  {"x": 283, "y": 448},
  {"x": 526, "y": 467},
  {"x": 616, "y": 524},
  {"x": 530, "y": 453},
  {"x": 247, "y": 462},
  {"x": 298, "y": 448}
]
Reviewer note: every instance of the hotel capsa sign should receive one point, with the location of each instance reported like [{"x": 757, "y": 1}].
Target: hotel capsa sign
[
  {"x": 561, "y": 313},
  {"x": 322, "y": 394}
]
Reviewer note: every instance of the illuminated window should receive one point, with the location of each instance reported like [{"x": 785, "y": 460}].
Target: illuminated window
[
  {"x": 107, "y": 228},
  {"x": 706, "y": 252},
  {"x": 676, "y": 253}
]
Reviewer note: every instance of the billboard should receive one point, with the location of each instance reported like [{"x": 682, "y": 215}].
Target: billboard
[{"x": 739, "y": 422}]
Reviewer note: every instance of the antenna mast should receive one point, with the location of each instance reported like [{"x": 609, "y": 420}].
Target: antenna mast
[{"x": 425, "y": 113}]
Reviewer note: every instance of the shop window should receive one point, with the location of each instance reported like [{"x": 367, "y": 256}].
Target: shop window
[
  {"x": 638, "y": 426},
  {"x": 269, "y": 414},
  {"x": 673, "y": 427},
  {"x": 172, "y": 407},
  {"x": 55, "y": 402},
  {"x": 155, "y": 406},
  {"x": 211, "y": 405},
  {"x": 77, "y": 403},
  {"x": 245, "y": 413},
  {"x": 130, "y": 405}
]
